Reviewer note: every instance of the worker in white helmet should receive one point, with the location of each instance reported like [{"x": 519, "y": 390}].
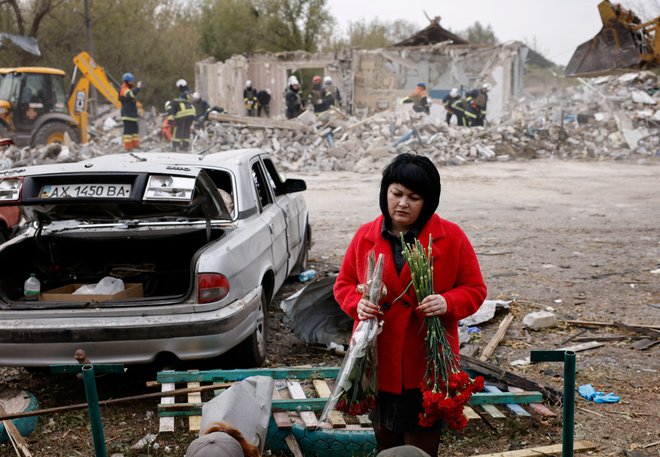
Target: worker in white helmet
[
  {"x": 331, "y": 94},
  {"x": 449, "y": 101},
  {"x": 295, "y": 104},
  {"x": 184, "y": 92}
]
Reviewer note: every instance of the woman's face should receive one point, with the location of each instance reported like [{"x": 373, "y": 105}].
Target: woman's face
[{"x": 403, "y": 206}]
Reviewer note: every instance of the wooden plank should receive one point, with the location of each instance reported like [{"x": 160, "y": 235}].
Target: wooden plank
[
  {"x": 579, "y": 323},
  {"x": 501, "y": 398},
  {"x": 308, "y": 417},
  {"x": 513, "y": 407},
  {"x": 281, "y": 418},
  {"x": 499, "y": 335},
  {"x": 493, "y": 411},
  {"x": 194, "y": 422},
  {"x": 491, "y": 370},
  {"x": 166, "y": 424},
  {"x": 470, "y": 414},
  {"x": 14, "y": 436},
  {"x": 255, "y": 122},
  {"x": 239, "y": 375},
  {"x": 336, "y": 418},
  {"x": 554, "y": 449},
  {"x": 538, "y": 407},
  {"x": 284, "y": 394},
  {"x": 582, "y": 346},
  {"x": 293, "y": 446},
  {"x": 364, "y": 420}
]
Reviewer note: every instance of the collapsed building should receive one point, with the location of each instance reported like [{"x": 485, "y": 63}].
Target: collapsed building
[{"x": 375, "y": 80}]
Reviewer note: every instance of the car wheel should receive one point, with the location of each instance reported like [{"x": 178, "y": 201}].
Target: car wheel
[
  {"x": 252, "y": 351},
  {"x": 54, "y": 132}
]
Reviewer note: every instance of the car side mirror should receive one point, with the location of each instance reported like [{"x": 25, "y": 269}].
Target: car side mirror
[{"x": 294, "y": 185}]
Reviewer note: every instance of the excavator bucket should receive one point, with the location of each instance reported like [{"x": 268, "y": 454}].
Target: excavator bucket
[
  {"x": 623, "y": 44},
  {"x": 613, "y": 49}
]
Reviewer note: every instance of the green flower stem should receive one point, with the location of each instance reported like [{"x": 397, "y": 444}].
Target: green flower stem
[{"x": 440, "y": 359}]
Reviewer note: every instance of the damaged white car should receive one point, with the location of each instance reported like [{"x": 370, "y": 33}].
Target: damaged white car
[{"x": 201, "y": 243}]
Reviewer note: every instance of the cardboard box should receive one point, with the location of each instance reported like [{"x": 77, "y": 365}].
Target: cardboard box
[{"x": 65, "y": 293}]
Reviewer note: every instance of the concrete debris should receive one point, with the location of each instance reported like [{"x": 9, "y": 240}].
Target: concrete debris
[
  {"x": 540, "y": 319},
  {"x": 607, "y": 118}
]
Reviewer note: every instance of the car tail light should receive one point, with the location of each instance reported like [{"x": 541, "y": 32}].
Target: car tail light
[
  {"x": 211, "y": 287},
  {"x": 10, "y": 189}
]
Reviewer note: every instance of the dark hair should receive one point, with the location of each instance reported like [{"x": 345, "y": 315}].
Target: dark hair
[{"x": 418, "y": 174}]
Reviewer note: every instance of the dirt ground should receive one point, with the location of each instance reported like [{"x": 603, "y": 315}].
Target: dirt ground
[{"x": 580, "y": 238}]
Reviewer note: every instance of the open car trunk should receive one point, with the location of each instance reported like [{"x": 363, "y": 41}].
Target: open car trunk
[
  {"x": 143, "y": 228},
  {"x": 161, "y": 261}
]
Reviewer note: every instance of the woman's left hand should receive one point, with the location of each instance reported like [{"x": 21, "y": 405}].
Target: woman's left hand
[{"x": 433, "y": 305}]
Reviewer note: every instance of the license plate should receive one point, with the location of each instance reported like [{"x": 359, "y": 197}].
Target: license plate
[{"x": 86, "y": 191}]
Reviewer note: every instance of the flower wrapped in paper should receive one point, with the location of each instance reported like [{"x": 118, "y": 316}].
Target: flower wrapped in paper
[{"x": 356, "y": 386}]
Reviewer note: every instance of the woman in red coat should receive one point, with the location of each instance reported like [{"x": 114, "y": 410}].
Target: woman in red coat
[{"x": 409, "y": 196}]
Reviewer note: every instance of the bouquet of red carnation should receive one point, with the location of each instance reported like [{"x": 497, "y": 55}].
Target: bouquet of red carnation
[
  {"x": 356, "y": 386},
  {"x": 446, "y": 389}
]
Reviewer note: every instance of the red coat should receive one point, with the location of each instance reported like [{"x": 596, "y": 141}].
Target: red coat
[{"x": 457, "y": 276}]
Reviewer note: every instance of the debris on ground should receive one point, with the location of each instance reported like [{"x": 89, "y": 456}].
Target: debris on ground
[{"x": 607, "y": 118}]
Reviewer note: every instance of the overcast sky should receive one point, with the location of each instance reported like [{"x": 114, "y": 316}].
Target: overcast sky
[{"x": 556, "y": 26}]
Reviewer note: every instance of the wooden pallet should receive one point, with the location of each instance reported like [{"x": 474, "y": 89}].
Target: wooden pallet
[{"x": 299, "y": 396}]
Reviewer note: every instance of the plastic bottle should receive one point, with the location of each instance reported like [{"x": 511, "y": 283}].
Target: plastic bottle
[
  {"x": 32, "y": 287},
  {"x": 307, "y": 275}
]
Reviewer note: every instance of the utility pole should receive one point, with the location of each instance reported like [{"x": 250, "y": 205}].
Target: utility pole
[{"x": 90, "y": 49}]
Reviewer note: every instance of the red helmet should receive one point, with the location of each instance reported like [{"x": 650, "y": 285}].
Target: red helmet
[{"x": 316, "y": 79}]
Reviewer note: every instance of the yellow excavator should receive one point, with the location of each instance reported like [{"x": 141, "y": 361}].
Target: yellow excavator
[
  {"x": 625, "y": 43},
  {"x": 35, "y": 107}
]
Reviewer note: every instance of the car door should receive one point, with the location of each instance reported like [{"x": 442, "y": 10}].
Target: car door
[
  {"x": 292, "y": 213},
  {"x": 273, "y": 217}
]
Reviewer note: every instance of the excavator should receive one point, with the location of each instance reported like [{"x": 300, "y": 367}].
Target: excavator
[
  {"x": 625, "y": 43},
  {"x": 35, "y": 107}
]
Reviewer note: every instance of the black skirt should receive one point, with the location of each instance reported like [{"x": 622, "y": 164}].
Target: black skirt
[{"x": 400, "y": 413}]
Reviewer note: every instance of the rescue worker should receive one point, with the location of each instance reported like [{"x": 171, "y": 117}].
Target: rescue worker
[
  {"x": 263, "y": 97},
  {"x": 465, "y": 110},
  {"x": 250, "y": 99},
  {"x": 419, "y": 99},
  {"x": 181, "y": 114},
  {"x": 316, "y": 96},
  {"x": 202, "y": 110},
  {"x": 448, "y": 102},
  {"x": 294, "y": 102},
  {"x": 184, "y": 92},
  {"x": 331, "y": 95},
  {"x": 479, "y": 103},
  {"x": 129, "y": 111}
]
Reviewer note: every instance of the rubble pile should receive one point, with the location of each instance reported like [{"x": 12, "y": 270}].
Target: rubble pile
[{"x": 613, "y": 117}]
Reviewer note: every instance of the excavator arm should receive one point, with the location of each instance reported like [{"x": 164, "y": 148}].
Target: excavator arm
[
  {"x": 91, "y": 74},
  {"x": 623, "y": 44}
]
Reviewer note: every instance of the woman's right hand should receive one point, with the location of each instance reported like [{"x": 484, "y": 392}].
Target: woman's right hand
[{"x": 367, "y": 310}]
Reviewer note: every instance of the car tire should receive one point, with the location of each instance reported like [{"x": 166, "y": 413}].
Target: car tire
[
  {"x": 252, "y": 351},
  {"x": 53, "y": 132}
]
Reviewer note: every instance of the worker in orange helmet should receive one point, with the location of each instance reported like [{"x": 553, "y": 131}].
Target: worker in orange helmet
[{"x": 316, "y": 96}]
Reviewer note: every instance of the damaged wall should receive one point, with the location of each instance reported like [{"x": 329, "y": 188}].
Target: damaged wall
[
  {"x": 371, "y": 80},
  {"x": 222, "y": 83}
]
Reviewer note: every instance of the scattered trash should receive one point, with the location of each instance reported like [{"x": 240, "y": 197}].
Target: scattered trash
[
  {"x": 486, "y": 312},
  {"x": 307, "y": 275},
  {"x": 145, "y": 441},
  {"x": 587, "y": 391}
]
